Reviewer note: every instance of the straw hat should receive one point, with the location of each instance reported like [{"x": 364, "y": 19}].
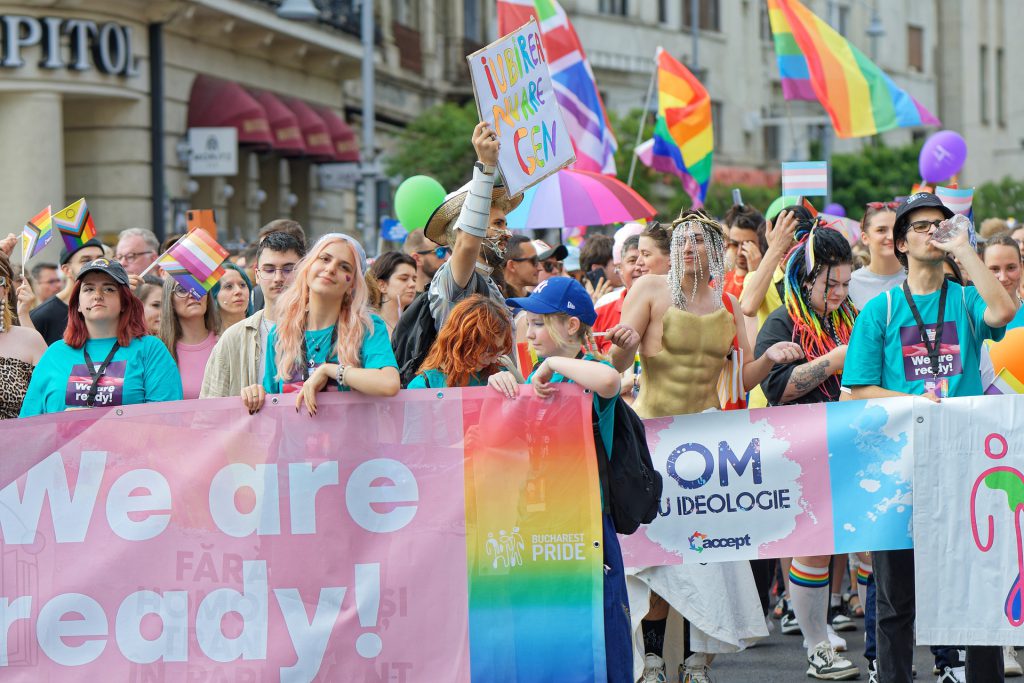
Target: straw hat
[{"x": 436, "y": 228}]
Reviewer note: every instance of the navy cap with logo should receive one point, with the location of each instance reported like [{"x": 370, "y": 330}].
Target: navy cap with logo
[
  {"x": 104, "y": 265},
  {"x": 558, "y": 295},
  {"x": 919, "y": 200}
]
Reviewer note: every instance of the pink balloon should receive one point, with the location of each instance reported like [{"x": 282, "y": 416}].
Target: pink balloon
[{"x": 942, "y": 156}]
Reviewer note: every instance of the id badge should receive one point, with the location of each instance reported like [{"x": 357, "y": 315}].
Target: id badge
[{"x": 938, "y": 387}]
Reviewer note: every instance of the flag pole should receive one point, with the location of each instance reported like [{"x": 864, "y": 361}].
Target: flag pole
[
  {"x": 153, "y": 265},
  {"x": 643, "y": 122}
]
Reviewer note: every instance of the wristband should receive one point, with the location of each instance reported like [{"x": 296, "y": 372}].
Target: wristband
[
  {"x": 342, "y": 369},
  {"x": 476, "y": 209},
  {"x": 486, "y": 168}
]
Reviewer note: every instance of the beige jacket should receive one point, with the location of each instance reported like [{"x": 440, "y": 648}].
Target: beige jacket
[{"x": 236, "y": 359}]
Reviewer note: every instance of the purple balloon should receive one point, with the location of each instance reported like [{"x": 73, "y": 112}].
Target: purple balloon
[
  {"x": 834, "y": 209},
  {"x": 942, "y": 156}
]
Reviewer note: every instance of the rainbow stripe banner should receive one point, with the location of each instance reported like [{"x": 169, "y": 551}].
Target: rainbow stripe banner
[
  {"x": 75, "y": 224},
  {"x": 194, "y": 262},
  {"x": 805, "y": 178},
  {"x": 572, "y": 79},
  {"x": 36, "y": 234},
  {"x": 683, "y": 140},
  {"x": 816, "y": 63}
]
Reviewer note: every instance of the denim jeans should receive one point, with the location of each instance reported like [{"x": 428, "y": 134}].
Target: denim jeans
[
  {"x": 618, "y": 631},
  {"x": 869, "y": 620},
  {"x": 894, "y": 583}
]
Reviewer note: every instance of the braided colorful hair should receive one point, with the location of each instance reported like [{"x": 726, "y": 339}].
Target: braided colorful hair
[{"x": 818, "y": 249}]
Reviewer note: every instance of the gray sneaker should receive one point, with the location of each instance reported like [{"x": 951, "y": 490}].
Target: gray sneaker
[{"x": 824, "y": 664}]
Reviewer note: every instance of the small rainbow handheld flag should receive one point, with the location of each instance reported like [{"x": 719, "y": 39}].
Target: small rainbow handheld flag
[
  {"x": 36, "y": 234},
  {"x": 194, "y": 262},
  {"x": 805, "y": 178},
  {"x": 817, "y": 63},
  {"x": 75, "y": 224}
]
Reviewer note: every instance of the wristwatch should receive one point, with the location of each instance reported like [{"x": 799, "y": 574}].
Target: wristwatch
[{"x": 485, "y": 168}]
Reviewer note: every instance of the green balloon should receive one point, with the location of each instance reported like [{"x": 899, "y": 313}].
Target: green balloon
[
  {"x": 416, "y": 198},
  {"x": 779, "y": 204}
]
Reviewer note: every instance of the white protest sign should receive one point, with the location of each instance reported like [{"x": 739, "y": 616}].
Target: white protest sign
[{"x": 514, "y": 94}]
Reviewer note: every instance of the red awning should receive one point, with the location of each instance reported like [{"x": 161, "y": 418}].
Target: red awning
[
  {"x": 218, "y": 103},
  {"x": 346, "y": 147},
  {"x": 284, "y": 125},
  {"x": 314, "y": 130}
]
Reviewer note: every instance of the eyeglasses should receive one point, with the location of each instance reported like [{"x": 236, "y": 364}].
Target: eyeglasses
[
  {"x": 534, "y": 261},
  {"x": 882, "y": 205},
  {"x": 181, "y": 292},
  {"x": 440, "y": 252},
  {"x": 270, "y": 271},
  {"x": 922, "y": 227},
  {"x": 126, "y": 258},
  {"x": 553, "y": 266}
]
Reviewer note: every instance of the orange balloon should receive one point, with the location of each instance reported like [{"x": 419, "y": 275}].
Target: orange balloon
[{"x": 1009, "y": 353}]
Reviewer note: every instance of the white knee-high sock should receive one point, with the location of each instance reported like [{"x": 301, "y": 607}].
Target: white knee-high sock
[
  {"x": 809, "y": 592},
  {"x": 864, "y": 571}
]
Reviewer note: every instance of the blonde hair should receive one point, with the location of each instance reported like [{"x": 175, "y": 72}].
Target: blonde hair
[
  {"x": 584, "y": 335},
  {"x": 353, "y": 317}
]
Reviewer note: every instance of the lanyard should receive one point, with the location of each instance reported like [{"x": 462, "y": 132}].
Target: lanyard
[
  {"x": 933, "y": 348},
  {"x": 97, "y": 373},
  {"x": 310, "y": 363}
]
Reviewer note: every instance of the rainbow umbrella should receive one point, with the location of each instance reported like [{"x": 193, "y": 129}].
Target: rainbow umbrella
[{"x": 573, "y": 197}]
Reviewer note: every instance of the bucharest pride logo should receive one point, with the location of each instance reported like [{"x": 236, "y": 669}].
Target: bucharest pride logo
[
  {"x": 697, "y": 541},
  {"x": 1011, "y": 481}
]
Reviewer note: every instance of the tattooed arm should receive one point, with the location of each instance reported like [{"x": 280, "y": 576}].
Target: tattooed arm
[{"x": 807, "y": 377}]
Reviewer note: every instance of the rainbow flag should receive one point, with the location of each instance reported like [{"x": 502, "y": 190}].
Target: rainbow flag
[
  {"x": 683, "y": 139},
  {"x": 36, "y": 234},
  {"x": 194, "y": 262},
  {"x": 816, "y": 63},
  {"x": 75, "y": 224},
  {"x": 572, "y": 80}
]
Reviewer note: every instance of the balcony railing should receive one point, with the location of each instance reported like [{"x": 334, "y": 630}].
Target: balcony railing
[{"x": 343, "y": 15}]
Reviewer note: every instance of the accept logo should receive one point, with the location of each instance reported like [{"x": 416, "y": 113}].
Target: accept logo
[
  {"x": 700, "y": 542},
  {"x": 697, "y": 541}
]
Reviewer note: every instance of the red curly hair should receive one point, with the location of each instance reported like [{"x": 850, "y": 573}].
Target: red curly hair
[
  {"x": 477, "y": 327},
  {"x": 131, "y": 325}
]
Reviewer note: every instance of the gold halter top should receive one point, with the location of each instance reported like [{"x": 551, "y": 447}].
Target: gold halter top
[{"x": 682, "y": 378}]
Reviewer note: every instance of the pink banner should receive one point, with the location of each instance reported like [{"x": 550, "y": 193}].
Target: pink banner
[{"x": 193, "y": 542}]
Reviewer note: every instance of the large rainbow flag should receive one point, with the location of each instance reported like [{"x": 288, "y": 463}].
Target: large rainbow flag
[
  {"x": 195, "y": 262},
  {"x": 683, "y": 139},
  {"x": 572, "y": 78},
  {"x": 36, "y": 234},
  {"x": 816, "y": 63},
  {"x": 75, "y": 224}
]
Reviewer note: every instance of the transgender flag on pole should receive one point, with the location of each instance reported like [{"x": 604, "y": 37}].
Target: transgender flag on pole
[
  {"x": 805, "y": 178},
  {"x": 194, "y": 262},
  {"x": 573, "y": 81}
]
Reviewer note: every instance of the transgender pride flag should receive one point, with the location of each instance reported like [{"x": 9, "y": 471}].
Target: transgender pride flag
[
  {"x": 805, "y": 178},
  {"x": 194, "y": 262},
  {"x": 574, "y": 85}
]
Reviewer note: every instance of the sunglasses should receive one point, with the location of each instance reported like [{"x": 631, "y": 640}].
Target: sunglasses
[
  {"x": 534, "y": 261},
  {"x": 553, "y": 266},
  {"x": 440, "y": 252},
  {"x": 882, "y": 205}
]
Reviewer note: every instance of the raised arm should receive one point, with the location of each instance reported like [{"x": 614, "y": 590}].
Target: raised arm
[
  {"x": 471, "y": 226},
  {"x": 756, "y": 285},
  {"x": 999, "y": 305},
  {"x": 636, "y": 317}
]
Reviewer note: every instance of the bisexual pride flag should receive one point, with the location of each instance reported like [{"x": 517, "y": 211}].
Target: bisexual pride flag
[
  {"x": 805, "y": 178},
  {"x": 195, "y": 262},
  {"x": 75, "y": 225},
  {"x": 36, "y": 234}
]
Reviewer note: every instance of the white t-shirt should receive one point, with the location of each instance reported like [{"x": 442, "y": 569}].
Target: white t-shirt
[{"x": 865, "y": 285}]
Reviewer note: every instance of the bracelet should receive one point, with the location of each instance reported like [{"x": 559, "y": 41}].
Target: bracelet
[{"x": 342, "y": 370}]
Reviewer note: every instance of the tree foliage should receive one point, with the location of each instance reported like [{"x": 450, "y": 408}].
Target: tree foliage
[
  {"x": 875, "y": 174},
  {"x": 437, "y": 143},
  {"x": 1002, "y": 199}
]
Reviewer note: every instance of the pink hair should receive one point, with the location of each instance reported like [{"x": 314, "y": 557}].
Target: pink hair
[{"x": 353, "y": 316}]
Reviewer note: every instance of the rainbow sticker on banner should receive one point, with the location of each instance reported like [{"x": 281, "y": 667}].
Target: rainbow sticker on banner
[
  {"x": 36, "y": 234},
  {"x": 195, "y": 262},
  {"x": 533, "y": 539},
  {"x": 75, "y": 225}
]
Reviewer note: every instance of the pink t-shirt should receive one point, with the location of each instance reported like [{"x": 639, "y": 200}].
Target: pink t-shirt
[{"x": 192, "y": 364}]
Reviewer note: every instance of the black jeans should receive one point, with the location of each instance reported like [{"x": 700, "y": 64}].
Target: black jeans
[{"x": 894, "y": 583}]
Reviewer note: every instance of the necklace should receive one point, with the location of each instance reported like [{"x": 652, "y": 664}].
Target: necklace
[{"x": 324, "y": 336}]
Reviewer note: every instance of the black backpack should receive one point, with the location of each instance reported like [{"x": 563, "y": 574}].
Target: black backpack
[
  {"x": 416, "y": 331},
  {"x": 630, "y": 484}
]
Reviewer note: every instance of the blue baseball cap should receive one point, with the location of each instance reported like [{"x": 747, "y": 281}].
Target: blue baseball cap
[{"x": 558, "y": 295}]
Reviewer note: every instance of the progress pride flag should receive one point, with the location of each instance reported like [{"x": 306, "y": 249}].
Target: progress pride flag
[{"x": 192, "y": 542}]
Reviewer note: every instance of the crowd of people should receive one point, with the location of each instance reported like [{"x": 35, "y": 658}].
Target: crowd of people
[{"x": 673, "y": 318}]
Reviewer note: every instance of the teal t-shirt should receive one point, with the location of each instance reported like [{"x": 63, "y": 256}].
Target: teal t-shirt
[
  {"x": 375, "y": 353},
  {"x": 891, "y": 354},
  {"x": 142, "y": 372},
  {"x": 1018, "y": 320},
  {"x": 604, "y": 408},
  {"x": 435, "y": 379}
]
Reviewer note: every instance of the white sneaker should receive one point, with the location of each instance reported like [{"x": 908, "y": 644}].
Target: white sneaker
[
  {"x": 654, "y": 670},
  {"x": 952, "y": 674},
  {"x": 1011, "y": 667},
  {"x": 837, "y": 641},
  {"x": 694, "y": 674},
  {"x": 824, "y": 664}
]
